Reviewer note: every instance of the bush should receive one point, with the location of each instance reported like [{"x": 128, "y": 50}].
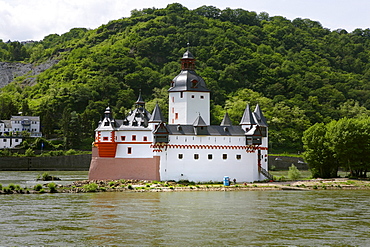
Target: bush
[
  {"x": 293, "y": 173},
  {"x": 90, "y": 187},
  {"x": 71, "y": 152},
  {"x": 29, "y": 153},
  {"x": 52, "y": 187},
  {"x": 7, "y": 190},
  {"x": 11, "y": 186},
  {"x": 37, "y": 187},
  {"x": 1, "y": 187}
]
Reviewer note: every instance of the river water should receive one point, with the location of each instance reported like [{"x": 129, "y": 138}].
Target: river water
[{"x": 228, "y": 218}]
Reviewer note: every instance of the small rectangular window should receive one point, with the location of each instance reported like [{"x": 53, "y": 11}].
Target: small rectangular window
[
  {"x": 123, "y": 138},
  {"x": 210, "y": 156},
  {"x": 181, "y": 156},
  {"x": 176, "y": 116},
  {"x": 129, "y": 150},
  {"x": 133, "y": 137},
  {"x": 173, "y": 99},
  {"x": 224, "y": 156},
  {"x": 196, "y": 156},
  {"x": 145, "y": 138},
  {"x": 202, "y": 97},
  {"x": 181, "y": 94},
  {"x": 192, "y": 96},
  {"x": 238, "y": 156},
  {"x": 105, "y": 138}
]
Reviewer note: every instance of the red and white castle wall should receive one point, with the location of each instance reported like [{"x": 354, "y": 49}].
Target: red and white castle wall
[{"x": 143, "y": 146}]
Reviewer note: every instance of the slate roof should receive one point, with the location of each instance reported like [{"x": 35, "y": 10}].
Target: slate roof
[
  {"x": 213, "y": 130},
  {"x": 199, "y": 122},
  {"x": 20, "y": 118},
  {"x": 188, "y": 79},
  {"x": 188, "y": 55},
  {"x": 261, "y": 120},
  {"x": 157, "y": 115},
  {"x": 184, "y": 82},
  {"x": 248, "y": 117},
  {"x": 226, "y": 121}
]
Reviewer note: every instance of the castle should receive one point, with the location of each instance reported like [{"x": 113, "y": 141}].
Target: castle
[{"x": 143, "y": 146}]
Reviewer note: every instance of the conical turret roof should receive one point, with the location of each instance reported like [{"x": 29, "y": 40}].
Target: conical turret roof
[
  {"x": 247, "y": 117},
  {"x": 226, "y": 121},
  {"x": 199, "y": 122},
  {"x": 261, "y": 120},
  {"x": 157, "y": 115}
]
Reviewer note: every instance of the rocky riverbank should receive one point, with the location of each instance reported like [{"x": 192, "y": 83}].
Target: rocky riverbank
[{"x": 155, "y": 186}]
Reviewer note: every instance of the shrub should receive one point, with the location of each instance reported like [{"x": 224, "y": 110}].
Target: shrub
[
  {"x": 293, "y": 173},
  {"x": 11, "y": 186},
  {"x": 71, "y": 152},
  {"x": 90, "y": 187},
  {"x": 37, "y": 187},
  {"x": 29, "y": 153},
  {"x": 18, "y": 188},
  {"x": 7, "y": 190},
  {"x": 52, "y": 187},
  {"x": 1, "y": 187},
  {"x": 130, "y": 187}
]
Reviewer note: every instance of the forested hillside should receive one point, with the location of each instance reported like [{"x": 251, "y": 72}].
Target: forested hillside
[{"x": 298, "y": 71}]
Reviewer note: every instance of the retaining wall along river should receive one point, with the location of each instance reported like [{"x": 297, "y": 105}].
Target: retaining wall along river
[
  {"x": 82, "y": 163},
  {"x": 52, "y": 163}
]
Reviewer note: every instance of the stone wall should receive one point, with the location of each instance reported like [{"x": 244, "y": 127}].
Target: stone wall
[
  {"x": 53, "y": 163},
  {"x": 284, "y": 162},
  {"x": 82, "y": 163}
]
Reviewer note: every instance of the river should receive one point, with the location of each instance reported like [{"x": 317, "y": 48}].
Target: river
[{"x": 228, "y": 218}]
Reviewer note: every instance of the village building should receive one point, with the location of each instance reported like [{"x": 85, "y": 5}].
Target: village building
[
  {"x": 12, "y": 131},
  {"x": 143, "y": 146}
]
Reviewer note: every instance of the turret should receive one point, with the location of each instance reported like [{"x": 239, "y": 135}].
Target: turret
[
  {"x": 188, "y": 95},
  {"x": 156, "y": 117},
  {"x": 247, "y": 120}
]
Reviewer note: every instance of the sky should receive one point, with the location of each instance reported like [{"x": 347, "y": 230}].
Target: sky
[{"x": 34, "y": 19}]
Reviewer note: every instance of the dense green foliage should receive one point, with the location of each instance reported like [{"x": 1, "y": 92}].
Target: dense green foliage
[
  {"x": 344, "y": 143},
  {"x": 298, "y": 71}
]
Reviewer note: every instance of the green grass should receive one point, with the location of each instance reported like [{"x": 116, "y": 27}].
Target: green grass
[
  {"x": 305, "y": 174},
  {"x": 288, "y": 155}
]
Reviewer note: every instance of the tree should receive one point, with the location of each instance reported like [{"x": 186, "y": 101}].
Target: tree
[
  {"x": 319, "y": 157},
  {"x": 350, "y": 142}
]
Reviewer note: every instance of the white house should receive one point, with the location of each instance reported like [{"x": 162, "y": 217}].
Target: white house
[
  {"x": 10, "y": 130},
  {"x": 143, "y": 146}
]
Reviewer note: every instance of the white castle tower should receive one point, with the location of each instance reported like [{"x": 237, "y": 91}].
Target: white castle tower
[{"x": 189, "y": 96}]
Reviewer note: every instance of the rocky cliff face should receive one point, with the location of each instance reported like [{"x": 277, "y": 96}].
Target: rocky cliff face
[{"x": 9, "y": 71}]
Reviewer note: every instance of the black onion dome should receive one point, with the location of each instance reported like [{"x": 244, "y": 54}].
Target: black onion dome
[{"x": 188, "y": 80}]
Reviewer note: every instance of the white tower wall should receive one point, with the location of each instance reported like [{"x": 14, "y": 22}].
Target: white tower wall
[{"x": 185, "y": 107}]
